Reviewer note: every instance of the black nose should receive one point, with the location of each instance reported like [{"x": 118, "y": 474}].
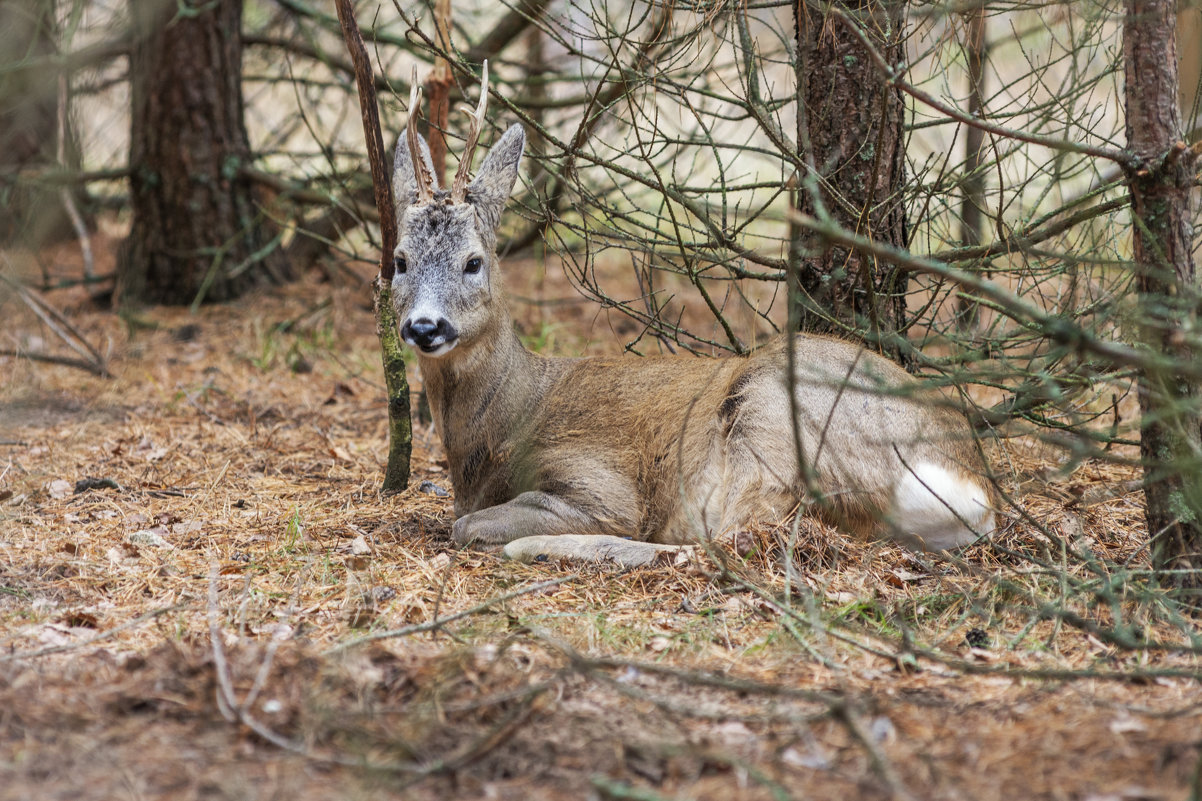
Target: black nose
[{"x": 428, "y": 335}]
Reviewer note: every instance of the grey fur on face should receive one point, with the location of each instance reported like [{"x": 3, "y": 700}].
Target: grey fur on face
[{"x": 445, "y": 255}]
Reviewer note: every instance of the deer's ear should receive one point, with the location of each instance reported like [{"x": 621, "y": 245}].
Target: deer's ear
[
  {"x": 491, "y": 188},
  {"x": 404, "y": 184}
]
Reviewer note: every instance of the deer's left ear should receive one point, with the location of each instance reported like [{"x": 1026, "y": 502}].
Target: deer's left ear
[{"x": 491, "y": 188}]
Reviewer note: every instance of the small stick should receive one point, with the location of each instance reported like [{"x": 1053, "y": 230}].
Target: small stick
[
  {"x": 430, "y": 625},
  {"x": 56, "y": 322}
]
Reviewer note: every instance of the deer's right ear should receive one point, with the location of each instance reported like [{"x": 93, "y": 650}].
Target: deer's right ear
[
  {"x": 497, "y": 175},
  {"x": 404, "y": 181}
]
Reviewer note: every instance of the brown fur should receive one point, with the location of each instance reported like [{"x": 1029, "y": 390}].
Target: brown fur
[{"x": 658, "y": 449}]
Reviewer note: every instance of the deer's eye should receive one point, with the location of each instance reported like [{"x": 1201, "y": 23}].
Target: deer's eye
[
  {"x": 472, "y": 267},
  {"x": 400, "y": 264}
]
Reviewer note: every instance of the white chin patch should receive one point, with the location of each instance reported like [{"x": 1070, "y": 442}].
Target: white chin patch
[{"x": 441, "y": 350}]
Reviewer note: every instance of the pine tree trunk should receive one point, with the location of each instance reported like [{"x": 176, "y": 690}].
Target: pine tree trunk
[
  {"x": 1189, "y": 68},
  {"x": 197, "y": 234},
  {"x": 852, "y": 122},
  {"x": 1170, "y": 438}
]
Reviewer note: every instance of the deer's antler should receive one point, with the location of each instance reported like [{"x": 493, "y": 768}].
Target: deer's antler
[
  {"x": 459, "y": 185},
  {"x": 421, "y": 176}
]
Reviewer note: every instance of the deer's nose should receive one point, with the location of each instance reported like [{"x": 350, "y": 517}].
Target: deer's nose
[{"x": 427, "y": 334}]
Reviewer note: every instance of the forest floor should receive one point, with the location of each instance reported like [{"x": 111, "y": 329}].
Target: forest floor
[{"x": 203, "y": 596}]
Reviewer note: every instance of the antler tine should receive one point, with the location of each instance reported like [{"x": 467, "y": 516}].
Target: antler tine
[
  {"x": 459, "y": 186},
  {"x": 421, "y": 176}
]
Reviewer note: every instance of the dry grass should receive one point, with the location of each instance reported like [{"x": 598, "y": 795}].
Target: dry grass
[{"x": 242, "y": 457}]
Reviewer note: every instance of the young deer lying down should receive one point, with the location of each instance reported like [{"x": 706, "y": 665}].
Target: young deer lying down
[{"x": 616, "y": 458}]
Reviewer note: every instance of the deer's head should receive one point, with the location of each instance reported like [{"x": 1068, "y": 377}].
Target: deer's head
[{"x": 446, "y": 288}]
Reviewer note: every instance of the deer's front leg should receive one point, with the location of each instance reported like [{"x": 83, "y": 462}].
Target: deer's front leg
[
  {"x": 530, "y": 514},
  {"x": 538, "y": 525}
]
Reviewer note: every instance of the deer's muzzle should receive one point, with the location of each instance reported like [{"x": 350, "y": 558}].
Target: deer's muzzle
[{"x": 430, "y": 337}]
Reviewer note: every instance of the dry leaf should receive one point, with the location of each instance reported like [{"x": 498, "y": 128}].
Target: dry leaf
[
  {"x": 685, "y": 556},
  {"x": 659, "y": 644},
  {"x": 882, "y": 729},
  {"x": 1125, "y": 724},
  {"x": 734, "y": 605},
  {"x": 899, "y": 576},
  {"x": 814, "y": 758},
  {"x": 733, "y": 733},
  {"x": 60, "y": 489},
  {"x": 53, "y": 634},
  {"x": 119, "y": 553},
  {"x": 152, "y": 537},
  {"x": 982, "y": 655},
  {"x": 80, "y": 620},
  {"x": 190, "y": 527}
]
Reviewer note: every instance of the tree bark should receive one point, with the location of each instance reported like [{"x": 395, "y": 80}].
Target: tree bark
[
  {"x": 850, "y": 126},
  {"x": 1160, "y": 178},
  {"x": 1189, "y": 66},
  {"x": 197, "y": 235},
  {"x": 973, "y": 185}
]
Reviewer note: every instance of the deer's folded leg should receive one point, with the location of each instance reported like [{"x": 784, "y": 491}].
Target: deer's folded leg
[
  {"x": 599, "y": 548},
  {"x": 536, "y": 514}
]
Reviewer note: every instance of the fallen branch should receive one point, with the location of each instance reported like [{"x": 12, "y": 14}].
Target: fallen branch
[
  {"x": 438, "y": 623},
  {"x": 53, "y": 319}
]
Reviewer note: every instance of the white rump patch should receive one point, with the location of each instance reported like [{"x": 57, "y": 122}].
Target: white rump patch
[{"x": 937, "y": 509}]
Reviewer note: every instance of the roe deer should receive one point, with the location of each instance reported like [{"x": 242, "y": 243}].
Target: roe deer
[{"x": 616, "y": 458}]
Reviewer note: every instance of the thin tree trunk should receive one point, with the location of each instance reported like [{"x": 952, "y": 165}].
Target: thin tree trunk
[
  {"x": 851, "y": 126},
  {"x": 1170, "y": 441},
  {"x": 400, "y": 421},
  {"x": 197, "y": 234},
  {"x": 973, "y": 185}
]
